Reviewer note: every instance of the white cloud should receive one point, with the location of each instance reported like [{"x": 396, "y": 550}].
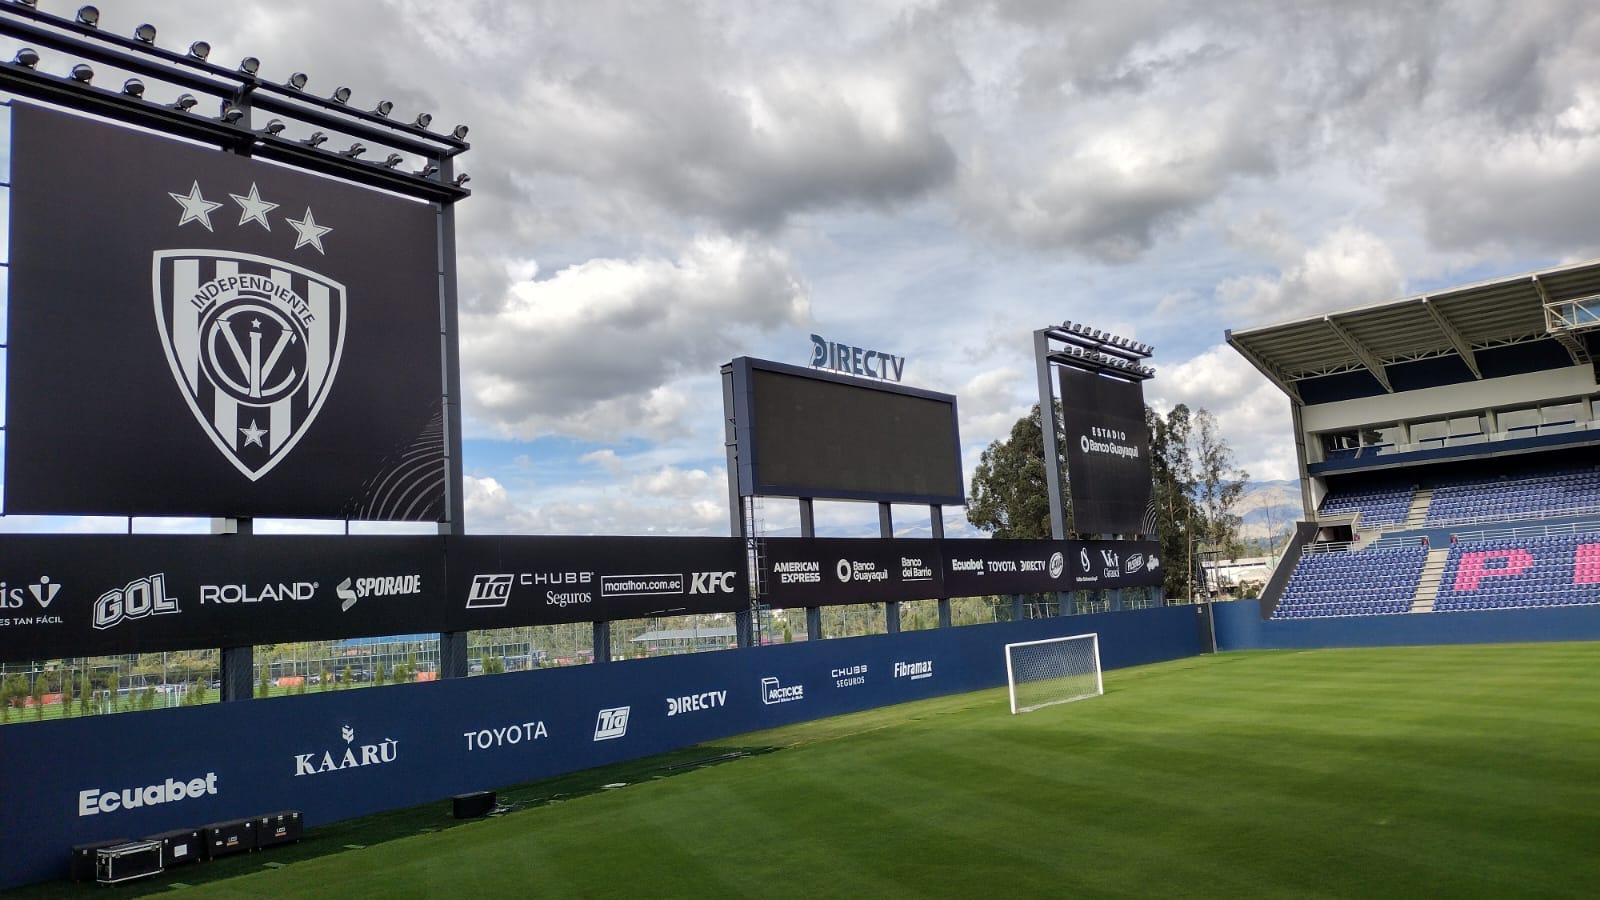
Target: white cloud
[
  {"x": 594, "y": 351},
  {"x": 1350, "y": 267},
  {"x": 1252, "y": 414}
]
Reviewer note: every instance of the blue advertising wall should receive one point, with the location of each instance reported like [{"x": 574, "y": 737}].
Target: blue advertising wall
[
  {"x": 1239, "y": 627},
  {"x": 348, "y": 753}
]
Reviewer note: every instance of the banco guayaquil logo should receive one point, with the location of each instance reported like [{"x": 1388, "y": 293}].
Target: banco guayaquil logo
[{"x": 254, "y": 343}]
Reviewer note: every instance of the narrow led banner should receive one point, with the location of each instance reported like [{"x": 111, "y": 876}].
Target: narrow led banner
[
  {"x": 832, "y": 571},
  {"x": 502, "y": 582},
  {"x": 89, "y": 595},
  {"x": 1116, "y": 564},
  {"x": 979, "y": 567}
]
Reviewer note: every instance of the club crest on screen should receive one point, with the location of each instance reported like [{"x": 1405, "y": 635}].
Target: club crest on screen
[{"x": 254, "y": 345}]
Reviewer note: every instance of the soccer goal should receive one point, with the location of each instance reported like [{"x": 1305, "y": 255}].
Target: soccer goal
[{"x": 1058, "y": 670}]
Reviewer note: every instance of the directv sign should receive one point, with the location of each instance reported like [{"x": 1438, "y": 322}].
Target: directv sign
[{"x": 836, "y": 357}]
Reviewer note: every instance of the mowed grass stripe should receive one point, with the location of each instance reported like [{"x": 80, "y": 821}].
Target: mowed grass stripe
[{"x": 1460, "y": 771}]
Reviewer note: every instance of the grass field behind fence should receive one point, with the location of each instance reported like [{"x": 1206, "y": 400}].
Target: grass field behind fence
[{"x": 1443, "y": 771}]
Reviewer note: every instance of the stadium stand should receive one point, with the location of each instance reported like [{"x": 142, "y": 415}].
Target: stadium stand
[
  {"x": 1446, "y": 446},
  {"x": 1358, "y": 583},
  {"x": 1540, "y": 495},
  {"x": 1509, "y": 573},
  {"x": 1377, "y": 506}
]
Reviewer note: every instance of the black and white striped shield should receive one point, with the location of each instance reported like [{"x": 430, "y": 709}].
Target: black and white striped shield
[{"x": 254, "y": 345}]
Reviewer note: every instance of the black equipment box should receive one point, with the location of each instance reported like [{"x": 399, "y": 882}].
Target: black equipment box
[
  {"x": 185, "y": 845},
  {"x": 86, "y": 856},
  {"x": 125, "y": 862},
  {"x": 228, "y": 838},
  {"x": 277, "y": 828},
  {"x": 473, "y": 805}
]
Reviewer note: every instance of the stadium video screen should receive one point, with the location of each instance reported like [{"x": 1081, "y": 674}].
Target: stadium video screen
[
  {"x": 808, "y": 434},
  {"x": 194, "y": 332},
  {"x": 1108, "y": 453}
]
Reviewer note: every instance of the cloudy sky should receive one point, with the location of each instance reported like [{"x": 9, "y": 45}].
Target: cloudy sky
[{"x": 661, "y": 187}]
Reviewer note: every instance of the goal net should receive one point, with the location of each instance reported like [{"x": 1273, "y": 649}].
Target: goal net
[{"x": 1058, "y": 670}]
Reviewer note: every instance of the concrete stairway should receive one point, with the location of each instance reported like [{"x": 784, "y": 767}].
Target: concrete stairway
[
  {"x": 1428, "y": 584},
  {"x": 1417, "y": 516}
]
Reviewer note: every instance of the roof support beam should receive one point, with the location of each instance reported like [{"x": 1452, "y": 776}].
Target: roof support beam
[
  {"x": 1453, "y": 336},
  {"x": 1272, "y": 373},
  {"x": 1564, "y": 337},
  {"x": 1373, "y": 365}
]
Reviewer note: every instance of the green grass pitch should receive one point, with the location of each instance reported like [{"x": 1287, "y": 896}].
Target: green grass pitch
[{"x": 1440, "y": 772}]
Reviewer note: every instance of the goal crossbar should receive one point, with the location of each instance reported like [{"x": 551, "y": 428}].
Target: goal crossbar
[{"x": 1055, "y": 670}]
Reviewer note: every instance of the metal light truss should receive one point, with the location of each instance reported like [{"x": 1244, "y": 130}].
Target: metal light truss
[
  {"x": 1098, "y": 351},
  {"x": 237, "y": 92}
]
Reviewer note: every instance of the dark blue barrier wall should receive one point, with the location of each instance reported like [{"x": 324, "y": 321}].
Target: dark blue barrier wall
[
  {"x": 1239, "y": 627},
  {"x": 347, "y": 753}
]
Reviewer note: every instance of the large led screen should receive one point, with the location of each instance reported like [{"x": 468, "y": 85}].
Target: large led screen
[
  {"x": 193, "y": 332},
  {"x": 1108, "y": 453},
  {"x": 809, "y": 434}
]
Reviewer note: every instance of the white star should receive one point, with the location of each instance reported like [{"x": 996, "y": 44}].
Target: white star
[
  {"x": 253, "y": 435},
  {"x": 254, "y": 208},
  {"x": 309, "y": 232},
  {"x": 195, "y": 207}
]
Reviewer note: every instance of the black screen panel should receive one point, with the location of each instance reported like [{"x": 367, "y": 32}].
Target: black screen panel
[
  {"x": 807, "y": 434},
  {"x": 1108, "y": 452}
]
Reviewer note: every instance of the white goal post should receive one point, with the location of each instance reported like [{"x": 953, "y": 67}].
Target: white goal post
[{"x": 1057, "y": 670}]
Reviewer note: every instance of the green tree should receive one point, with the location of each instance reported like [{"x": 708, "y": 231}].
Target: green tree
[
  {"x": 1219, "y": 484},
  {"x": 12, "y": 690},
  {"x": 1172, "y": 490},
  {"x": 1194, "y": 487},
  {"x": 1009, "y": 496}
]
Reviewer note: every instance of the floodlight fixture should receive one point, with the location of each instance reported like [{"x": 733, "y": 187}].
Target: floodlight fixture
[
  {"x": 354, "y": 150},
  {"x": 145, "y": 34},
  {"x": 200, "y": 50},
  {"x": 275, "y": 127},
  {"x": 185, "y": 102},
  {"x": 297, "y": 81},
  {"x": 231, "y": 114},
  {"x": 428, "y": 171},
  {"x": 393, "y": 160},
  {"x": 89, "y": 17},
  {"x": 27, "y": 58},
  {"x": 317, "y": 139},
  {"x": 423, "y": 120},
  {"x": 459, "y": 132},
  {"x": 341, "y": 95},
  {"x": 383, "y": 108},
  {"x": 249, "y": 65},
  {"x": 83, "y": 73},
  {"x": 133, "y": 87},
  {"x": 462, "y": 179}
]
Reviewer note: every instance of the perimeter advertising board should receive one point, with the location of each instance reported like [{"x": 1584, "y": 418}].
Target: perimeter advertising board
[
  {"x": 1108, "y": 453},
  {"x": 193, "y": 332},
  {"x": 338, "y": 754}
]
